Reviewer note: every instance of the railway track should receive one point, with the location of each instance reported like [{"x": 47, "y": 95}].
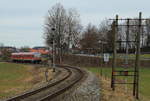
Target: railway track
[{"x": 52, "y": 90}]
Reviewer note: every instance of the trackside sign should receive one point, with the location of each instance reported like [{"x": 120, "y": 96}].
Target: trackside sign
[{"x": 106, "y": 57}]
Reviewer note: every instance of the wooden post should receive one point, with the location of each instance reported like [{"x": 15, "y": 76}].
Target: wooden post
[
  {"x": 114, "y": 31},
  {"x": 137, "y": 62}
]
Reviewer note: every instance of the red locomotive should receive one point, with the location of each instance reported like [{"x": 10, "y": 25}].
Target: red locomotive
[{"x": 33, "y": 57}]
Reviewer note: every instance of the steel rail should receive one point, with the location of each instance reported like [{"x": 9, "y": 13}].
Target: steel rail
[{"x": 67, "y": 87}]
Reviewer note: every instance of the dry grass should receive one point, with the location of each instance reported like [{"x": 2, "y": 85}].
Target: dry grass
[
  {"x": 118, "y": 95},
  {"x": 37, "y": 75},
  {"x": 121, "y": 93},
  {"x": 17, "y": 78}
]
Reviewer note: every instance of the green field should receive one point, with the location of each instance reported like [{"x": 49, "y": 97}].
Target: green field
[
  {"x": 133, "y": 56},
  {"x": 16, "y": 78},
  {"x": 144, "y": 79}
]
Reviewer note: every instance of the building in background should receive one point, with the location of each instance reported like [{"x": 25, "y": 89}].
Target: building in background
[{"x": 42, "y": 50}]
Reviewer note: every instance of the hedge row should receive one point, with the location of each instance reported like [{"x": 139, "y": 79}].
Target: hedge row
[{"x": 98, "y": 62}]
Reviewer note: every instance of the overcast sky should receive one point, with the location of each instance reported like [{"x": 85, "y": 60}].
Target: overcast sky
[{"x": 21, "y": 21}]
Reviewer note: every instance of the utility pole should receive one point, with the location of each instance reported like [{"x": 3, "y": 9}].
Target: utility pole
[
  {"x": 137, "y": 62},
  {"x": 114, "y": 29}
]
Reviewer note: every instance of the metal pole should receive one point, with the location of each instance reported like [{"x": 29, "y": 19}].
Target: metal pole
[
  {"x": 53, "y": 55},
  {"x": 127, "y": 43},
  {"x": 138, "y": 55},
  {"x": 53, "y": 29},
  {"x": 102, "y": 54}
]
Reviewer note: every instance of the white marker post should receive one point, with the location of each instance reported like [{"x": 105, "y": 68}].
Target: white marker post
[
  {"x": 106, "y": 57},
  {"x": 106, "y": 60}
]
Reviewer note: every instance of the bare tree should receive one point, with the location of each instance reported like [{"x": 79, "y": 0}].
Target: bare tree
[
  {"x": 103, "y": 29},
  {"x": 55, "y": 19},
  {"x": 74, "y": 28},
  {"x": 90, "y": 38},
  {"x": 67, "y": 28},
  {"x": 1, "y": 45},
  {"x": 105, "y": 34},
  {"x": 147, "y": 32}
]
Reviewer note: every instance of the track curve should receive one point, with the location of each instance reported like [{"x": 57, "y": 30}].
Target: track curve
[{"x": 73, "y": 76}]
